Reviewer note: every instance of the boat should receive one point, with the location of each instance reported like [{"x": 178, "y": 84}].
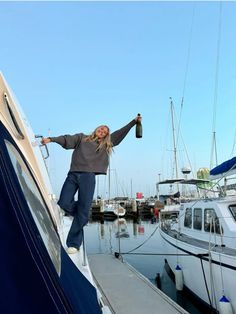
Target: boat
[
  {"x": 199, "y": 238},
  {"x": 119, "y": 210},
  {"x": 37, "y": 274},
  {"x": 112, "y": 209}
]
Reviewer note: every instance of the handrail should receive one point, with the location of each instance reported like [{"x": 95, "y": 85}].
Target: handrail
[{"x": 40, "y": 136}]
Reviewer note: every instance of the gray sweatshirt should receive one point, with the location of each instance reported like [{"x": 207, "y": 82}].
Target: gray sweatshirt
[{"x": 85, "y": 157}]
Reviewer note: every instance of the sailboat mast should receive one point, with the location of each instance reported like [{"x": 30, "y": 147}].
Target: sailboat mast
[
  {"x": 109, "y": 182},
  {"x": 174, "y": 140},
  {"x": 213, "y": 147}
]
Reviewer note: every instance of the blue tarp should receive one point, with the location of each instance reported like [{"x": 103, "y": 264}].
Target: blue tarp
[{"x": 224, "y": 167}]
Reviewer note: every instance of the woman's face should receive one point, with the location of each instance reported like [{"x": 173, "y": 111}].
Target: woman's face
[{"x": 102, "y": 132}]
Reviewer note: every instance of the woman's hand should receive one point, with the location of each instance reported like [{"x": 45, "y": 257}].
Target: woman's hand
[
  {"x": 45, "y": 140},
  {"x": 138, "y": 118}
]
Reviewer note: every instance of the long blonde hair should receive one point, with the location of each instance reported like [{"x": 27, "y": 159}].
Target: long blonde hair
[{"x": 104, "y": 143}]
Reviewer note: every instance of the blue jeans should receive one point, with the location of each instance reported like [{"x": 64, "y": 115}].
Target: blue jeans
[{"x": 84, "y": 183}]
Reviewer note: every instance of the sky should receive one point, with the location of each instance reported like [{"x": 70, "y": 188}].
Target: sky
[{"x": 76, "y": 65}]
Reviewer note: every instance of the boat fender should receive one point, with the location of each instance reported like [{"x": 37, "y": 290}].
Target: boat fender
[
  {"x": 225, "y": 306},
  {"x": 179, "y": 278}
]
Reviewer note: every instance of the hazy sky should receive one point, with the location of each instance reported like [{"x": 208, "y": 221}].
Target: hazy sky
[{"x": 76, "y": 65}]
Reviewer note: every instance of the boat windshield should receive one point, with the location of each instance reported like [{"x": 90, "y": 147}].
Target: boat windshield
[{"x": 37, "y": 206}]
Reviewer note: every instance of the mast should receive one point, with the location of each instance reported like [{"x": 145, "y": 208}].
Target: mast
[
  {"x": 109, "y": 182},
  {"x": 174, "y": 140},
  {"x": 213, "y": 147},
  {"x": 131, "y": 188}
]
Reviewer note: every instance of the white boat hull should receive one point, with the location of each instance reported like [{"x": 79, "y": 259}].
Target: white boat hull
[{"x": 209, "y": 277}]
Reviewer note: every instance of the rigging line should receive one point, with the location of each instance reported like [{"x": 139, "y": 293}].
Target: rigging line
[
  {"x": 186, "y": 68},
  {"x": 187, "y": 155},
  {"x": 221, "y": 268},
  {"x": 142, "y": 243},
  {"x": 184, "y": 145},
  {"x": 174, "y": 138},
  {"x": 188, "y": 54},
  {"x": 158, "y": 254},
  {"x": 214, "y": 150},
  {"x": 210, "y": 263},
  {"x": 164, "y": 156},
  {"x": 206, "y": 286},
  {"x": 232, "y": 152}
]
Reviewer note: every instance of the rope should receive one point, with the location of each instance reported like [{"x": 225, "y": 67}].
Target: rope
[
  {"x": 164, "y": 254},
  {"x": 210, "y": 261},
  {"x": 117, "y": 254},
  {"x": 186, "y": 71},
  {"x": 221, "y": 268},
  {"x": 232, "y": 152},
  {"x": 205, "y": 281},
  {"x": 142, "y": 243}
]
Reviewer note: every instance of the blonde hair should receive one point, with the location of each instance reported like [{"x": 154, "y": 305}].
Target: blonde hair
[{"x": 105, "y": 142}]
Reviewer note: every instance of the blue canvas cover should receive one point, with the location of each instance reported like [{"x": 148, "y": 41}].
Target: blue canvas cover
[
  {"x": 229, "y": 165},
  {"x": 29, "y": 281}
]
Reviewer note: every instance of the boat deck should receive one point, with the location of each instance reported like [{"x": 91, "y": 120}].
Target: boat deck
[
  {"x": 125, "y": 290},
  {"x": 79, "y": 259},
  {"x": 199, "y": 243}
]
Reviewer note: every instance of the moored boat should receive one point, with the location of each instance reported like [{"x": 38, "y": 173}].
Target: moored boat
[
  {"x": 200, "y": 242},
  {"x": 112, "y": 209},
  {"x": 37, "y": 275}
]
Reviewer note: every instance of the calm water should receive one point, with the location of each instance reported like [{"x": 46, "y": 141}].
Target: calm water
[{"x": 143, "y": 235}]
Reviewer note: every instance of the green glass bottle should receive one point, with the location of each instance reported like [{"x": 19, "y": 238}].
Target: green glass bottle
[{"x": 139, "y": 128}]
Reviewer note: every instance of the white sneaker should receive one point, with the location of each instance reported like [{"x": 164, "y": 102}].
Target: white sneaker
[{"x": 72, "y": 250}]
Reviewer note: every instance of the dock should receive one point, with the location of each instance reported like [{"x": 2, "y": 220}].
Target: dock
[{"x": 124, "y": 290}]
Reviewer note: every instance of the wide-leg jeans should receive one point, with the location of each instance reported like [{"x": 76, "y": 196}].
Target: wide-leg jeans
[{"x": 84, "y": 183}]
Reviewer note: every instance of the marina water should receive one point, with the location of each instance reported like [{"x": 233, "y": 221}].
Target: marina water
[{"x": 142, "y": 240}]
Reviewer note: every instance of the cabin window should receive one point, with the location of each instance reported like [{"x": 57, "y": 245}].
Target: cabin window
[
  {"x": 36, "y": 205},
  {"x": 232, "y": 209},
  {"x": 13, "y": 118},
  {"x": 188, "y": 218},
  {"x": 211, "y": 221},
  {"x": 197, "y": 219}
]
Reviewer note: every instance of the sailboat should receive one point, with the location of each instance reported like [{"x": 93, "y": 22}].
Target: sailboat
[
  {"x": 199, "y": 239},
  {"x": 37, "y": 275},
  {"x": 203, "y": 243},
  {"x": 111, "y": 208}
]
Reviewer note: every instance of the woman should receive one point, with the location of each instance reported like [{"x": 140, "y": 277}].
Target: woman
[{"x": 90, "y": 157}]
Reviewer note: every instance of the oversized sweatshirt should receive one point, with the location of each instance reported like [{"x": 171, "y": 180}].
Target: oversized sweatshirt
[{"x": 86, "y": 157}]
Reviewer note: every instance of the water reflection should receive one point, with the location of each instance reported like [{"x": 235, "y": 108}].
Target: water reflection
[
  {"x": 143, "y": 242},
  {"x": 121, "y": 231}
]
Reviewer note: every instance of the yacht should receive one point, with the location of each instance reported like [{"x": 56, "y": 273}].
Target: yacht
[
  {"x": 199, "y": 238},
  {"x": 37, "y": 274}
]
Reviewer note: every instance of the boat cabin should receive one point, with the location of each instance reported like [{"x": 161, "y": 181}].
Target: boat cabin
[{"x": 209, "y": 217}]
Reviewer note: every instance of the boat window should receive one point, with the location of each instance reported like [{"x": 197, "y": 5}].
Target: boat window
[
  {"x": 232, "y": 209},
  {"x": 211, "y": 221},
  {"x": 188, "y": 218},
  {"x": 37, "y": 206},
  {"x": 13, "y": 118},
  {"x": 197, "y": 219}
]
